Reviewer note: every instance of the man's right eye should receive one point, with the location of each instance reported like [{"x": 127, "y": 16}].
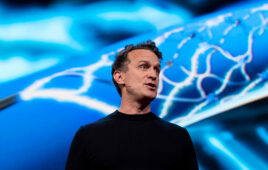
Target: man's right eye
[{"x": 143, "y": 66}]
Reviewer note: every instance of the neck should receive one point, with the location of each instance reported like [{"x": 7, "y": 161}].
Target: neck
[{"x": 134, "y": 107}]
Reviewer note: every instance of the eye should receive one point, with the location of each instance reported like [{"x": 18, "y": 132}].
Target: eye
[
  {"x": 157, "y": 70},
  {"x": 144, "y": 66}
]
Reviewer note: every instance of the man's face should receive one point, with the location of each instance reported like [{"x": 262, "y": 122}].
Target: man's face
[{"x": 142, "y": 76}]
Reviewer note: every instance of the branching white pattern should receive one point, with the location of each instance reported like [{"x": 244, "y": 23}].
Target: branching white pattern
[{"x": 205, "y": 47}]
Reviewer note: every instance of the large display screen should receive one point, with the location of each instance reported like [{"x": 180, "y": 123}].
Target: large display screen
[{"x": 213, "y": 82}]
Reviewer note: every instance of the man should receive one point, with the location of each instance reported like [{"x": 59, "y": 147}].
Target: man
[{"x": 133, "y": 137}]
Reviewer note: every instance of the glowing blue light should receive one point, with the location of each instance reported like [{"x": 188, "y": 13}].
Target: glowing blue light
[
  {"x": 234, "y": 150},
  {"x": 37, "y": 90},
  {"x": 154, "y": 16},
  {"x": 53, "y": 30},
  {"x": 229, "y": 104},
  {"x": 207, "y": 49},
  {"x": 226, "y": 151},
  {"x": 23, "y": 66},
  {"x": 145, "y": 11},
  {"x": 264, "y": 75},
  {"x": 263, "y": 134}
]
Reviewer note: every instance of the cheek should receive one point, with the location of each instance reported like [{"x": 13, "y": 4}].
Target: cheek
[{"x": 132, "y": 80}]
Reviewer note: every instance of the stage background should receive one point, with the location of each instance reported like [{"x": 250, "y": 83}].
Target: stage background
[{"x": 55, "y": 76}]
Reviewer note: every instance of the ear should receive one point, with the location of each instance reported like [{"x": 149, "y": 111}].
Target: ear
[{"x": 119, "y": 77}]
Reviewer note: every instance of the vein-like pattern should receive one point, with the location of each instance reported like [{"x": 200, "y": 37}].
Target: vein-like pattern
[{"x": 201, "y": 50}]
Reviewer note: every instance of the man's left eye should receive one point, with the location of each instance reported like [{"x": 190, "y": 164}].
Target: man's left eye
[{"x": 157, "y": 70}]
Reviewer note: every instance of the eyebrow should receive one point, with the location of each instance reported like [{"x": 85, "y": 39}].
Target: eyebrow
[{"x": 144, "y": 61}]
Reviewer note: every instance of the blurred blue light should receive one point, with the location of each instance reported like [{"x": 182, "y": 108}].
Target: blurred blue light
[
  {"x": 263, "y": 134},
  {"x": 21, "y": 66},
  {"x": 155, "y": 16},
  {"x": 194, "y": 49},
  {"x": 235, "y": 151},
  {"x": 222, "y": 149},
  {"x": 53, "y": 30},
  {"x": 79, "y": 28}
]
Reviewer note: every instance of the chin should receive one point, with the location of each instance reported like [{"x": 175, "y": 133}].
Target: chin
[{"x": 151, "y": 96}]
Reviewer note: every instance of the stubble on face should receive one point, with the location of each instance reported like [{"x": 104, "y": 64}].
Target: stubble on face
[{"x": 142, "y": 75}]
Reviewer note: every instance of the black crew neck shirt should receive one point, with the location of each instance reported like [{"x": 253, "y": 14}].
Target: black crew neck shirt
[{"x": 122, "y": 141}]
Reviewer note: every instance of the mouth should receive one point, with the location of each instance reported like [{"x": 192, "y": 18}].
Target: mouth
[{"x": 151, "y": 86}]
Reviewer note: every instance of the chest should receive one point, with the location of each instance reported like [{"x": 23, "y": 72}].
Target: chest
[{"x": 136, "y": 147}]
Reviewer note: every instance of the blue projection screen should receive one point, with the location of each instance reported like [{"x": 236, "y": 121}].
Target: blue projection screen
[{"x": 213, "y": 81}]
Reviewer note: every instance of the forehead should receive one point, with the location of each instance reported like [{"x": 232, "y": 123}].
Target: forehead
[{"x": 139, "y": 55}]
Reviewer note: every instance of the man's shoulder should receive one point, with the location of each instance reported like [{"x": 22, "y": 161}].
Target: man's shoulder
[
  {"x": 102, "y": 122},
  {"x": 171, "y": 126}
]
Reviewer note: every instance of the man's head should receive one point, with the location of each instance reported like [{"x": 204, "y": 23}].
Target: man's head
[{"x": 136, "y": 70}]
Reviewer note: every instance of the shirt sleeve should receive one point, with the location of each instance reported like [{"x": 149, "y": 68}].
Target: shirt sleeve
[
  {"x": 77, "y": 158},
  {"x": 191, "y": 161}
]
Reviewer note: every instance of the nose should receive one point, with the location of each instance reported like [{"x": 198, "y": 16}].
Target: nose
[{"x": 153, "y": 74}]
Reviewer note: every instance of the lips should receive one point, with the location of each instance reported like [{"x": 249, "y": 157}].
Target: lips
[{"x": 151, "y": 86}]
